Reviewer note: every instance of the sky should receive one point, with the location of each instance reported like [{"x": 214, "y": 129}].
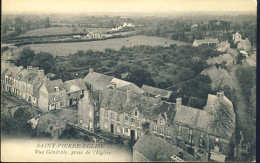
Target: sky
[{"x": 126, "y": 6}]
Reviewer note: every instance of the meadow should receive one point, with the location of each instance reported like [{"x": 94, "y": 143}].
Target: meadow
[
  {"x": 64, "y": 49},
  {"x": 61, "y": 31}
]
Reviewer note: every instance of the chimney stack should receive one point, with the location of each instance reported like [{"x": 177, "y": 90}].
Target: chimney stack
[
  {"x": 220, "y": 95},
  {"x": 29, "y": 67},
  {"x": 178, "y": 102},
  {"x": 128, "y": 95},
  {"x": 112, "y": 85},
  {"x": 91, "y": 70}
]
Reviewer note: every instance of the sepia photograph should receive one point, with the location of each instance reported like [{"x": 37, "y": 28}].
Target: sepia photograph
[{"x": 128, "y": 80}]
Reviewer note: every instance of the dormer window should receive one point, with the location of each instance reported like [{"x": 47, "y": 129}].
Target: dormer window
[
  {"x": 161, "y": 121},
  {"x": 136, "y": 113},
  {"x": 56, "y": 89}
]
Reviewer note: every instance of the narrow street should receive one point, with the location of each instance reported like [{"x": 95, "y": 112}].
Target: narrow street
[{"x": 244, "y": 119}]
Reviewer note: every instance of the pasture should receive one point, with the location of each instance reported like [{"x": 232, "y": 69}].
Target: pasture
[
  {"x": 61, "y": 31},
  {"x": 64, "y": 49}
]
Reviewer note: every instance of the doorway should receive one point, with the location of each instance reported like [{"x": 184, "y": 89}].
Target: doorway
[
  {"x": 132, "y": 134},
  {"x": 112, "y": 128}
]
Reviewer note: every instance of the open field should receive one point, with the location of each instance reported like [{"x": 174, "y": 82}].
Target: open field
[
  {"x": 61, "y": 30},
  {"x": 63, "y": 49}
]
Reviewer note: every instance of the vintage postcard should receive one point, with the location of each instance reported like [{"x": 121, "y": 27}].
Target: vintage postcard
[{"x": 128, "y": 80}]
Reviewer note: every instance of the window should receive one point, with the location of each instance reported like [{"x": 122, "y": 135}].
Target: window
[
  {"x": 51, "y": 128},
  {"x": 112, "y": 115},
  {"x": 126, "y": 119},
  {"x": 106, "y": 114},
  {"x": 54, "y": 97},
  {"x": 216, "y": 146},
  {"x": 154, "y": 128},
  {"x": 68, "y": 94},
  {"x": 161, "y": 121},
  {"x": 139, "y": 123},
  {"x": 168, "y": 132},
  {"x": 202, "y": 142},
  {"x": 82, "y": 91},
  {"x": 135, "y": 113},
  {"x": 179, "y": 132},
  {"x": 61, "y": 103},
  {"x": 132, "y": 121},
  {"x": 161, "y": 131},
  {"x": 80, "y": 121},
  {"x": 126, "y": 130},
  {"x": 118, "y": 118}
]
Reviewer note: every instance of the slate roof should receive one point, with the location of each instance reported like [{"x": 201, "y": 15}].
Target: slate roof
[
  {"x": 13, "y": 71},
  {"x": 223, "y": 46},
  {"x": 150, "y": 107},
  {"x": 97, "y": 81},
  {"x": 51, "y": 84},
  {"x": 75, "y": 85},
  {"x": 157, "y": 91},
  {"x": 217, "y": 118},
  {"x": 219, "y": 77},
  {"x": 232, "y": 52},
  {"x": 100, "y": 82},
  {"x": 149, "y": 145},
  {"x": 219, "y": 59},
  {"x": 117, "y": 100}
]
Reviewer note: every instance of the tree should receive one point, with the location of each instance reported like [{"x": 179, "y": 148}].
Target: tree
[
  {"x": 47, "y": 23},
  {"x": 26, "y": 57},
  {"x": 140, "y": 76}
]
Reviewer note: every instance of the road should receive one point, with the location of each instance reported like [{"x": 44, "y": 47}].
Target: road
[{"x": 244, "y": 119}]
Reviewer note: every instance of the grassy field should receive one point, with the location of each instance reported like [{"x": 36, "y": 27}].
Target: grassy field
[
  {"x": 63, "y": 49},
  {"x": 60, "y": 31}
]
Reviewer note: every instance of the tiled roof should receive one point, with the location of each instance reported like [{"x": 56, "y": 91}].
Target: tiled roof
[
  {"x": 158, "y": 149},
  {"x": 75, "y": 85},
  {"x": 223, "y": 46},
  {"x": 157, "y": 91}
]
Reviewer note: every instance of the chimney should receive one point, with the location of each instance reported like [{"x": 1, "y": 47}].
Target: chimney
[
  {"x": 29, "y": 67},
  {"x": 178, "y": 102},
  {"x": 56, "y": 89},
  {"x": 112, "y": 85},
  {"x": 41, "y": 73},
  {"x": 91, "y": 70},
  {"x": 128, "y": 95},
  {"x": 220, "y": 95}
]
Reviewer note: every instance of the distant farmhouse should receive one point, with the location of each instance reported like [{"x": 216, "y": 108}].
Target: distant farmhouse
[
  {"x": 130, "y": 113},
  {"x": 206, "y": 42}
]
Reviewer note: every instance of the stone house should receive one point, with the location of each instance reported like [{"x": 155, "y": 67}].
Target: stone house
[
  {"x": 10, "y": 75},
  {"x": 75, "y": 91},
  {"x": 206, "y": 42},
  {"x": 52, "y": 95}
]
